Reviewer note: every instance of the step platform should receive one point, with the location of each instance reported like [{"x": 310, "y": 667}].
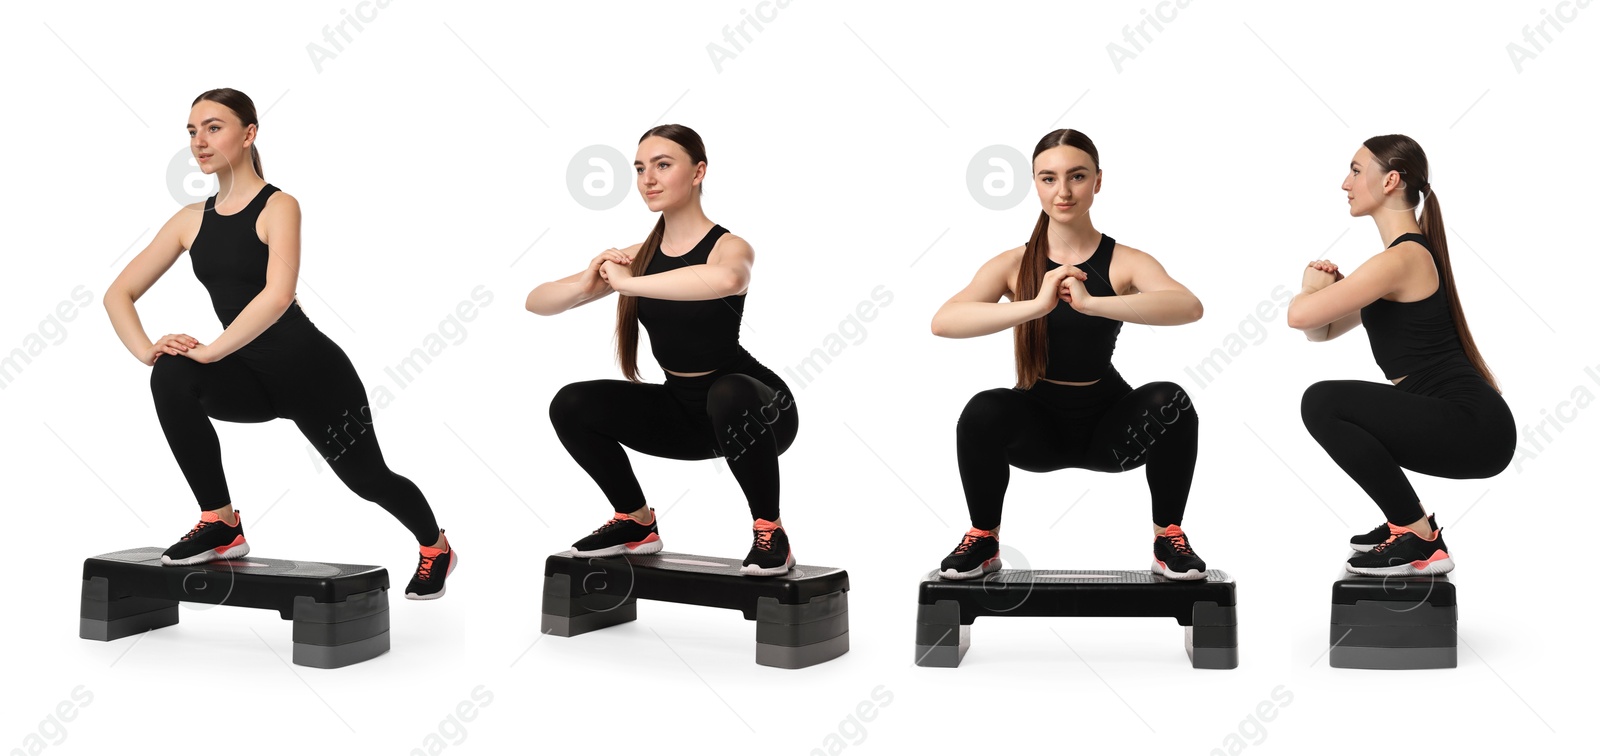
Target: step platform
[
  {"x": 340, "y": 611},
  {"x": 1393, "y": 623},
  {"x": 802, "y": 618},
  {"x": 1205, "y": 608}
]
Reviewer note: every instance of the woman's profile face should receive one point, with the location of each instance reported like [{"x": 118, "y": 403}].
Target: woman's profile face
[
  {"x": 1067, "y": 180},
  {"x": 217, "y": 138},
  {"x": 666, "y": 175},
  {"x": 1363, "y": 184}
]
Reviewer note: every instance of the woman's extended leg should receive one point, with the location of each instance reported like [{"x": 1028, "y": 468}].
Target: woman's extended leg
[{"x": 333, "y": 414}]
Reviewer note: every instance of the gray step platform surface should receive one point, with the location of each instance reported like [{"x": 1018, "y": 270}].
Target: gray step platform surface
[
  {"x": 802, "y": 617},
  {"x": 1205, "y": 608},
  {"x": 340, "y": 612}
]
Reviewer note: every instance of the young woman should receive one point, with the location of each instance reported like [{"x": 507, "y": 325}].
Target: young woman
[
  {"x": 686, "y": 284},
  {"x": 1441, "y": 414},
  {"x": 269, "y": 362},
  {"x": 1071, "y": 288}
]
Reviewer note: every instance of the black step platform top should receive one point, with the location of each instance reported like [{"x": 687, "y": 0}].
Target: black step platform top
[
  {"x": 1436, "y": 590},
  {"x": 247, "y": 581},
  {"x": 692, "y": 579},
  {"x": 1078, "y": 593}
]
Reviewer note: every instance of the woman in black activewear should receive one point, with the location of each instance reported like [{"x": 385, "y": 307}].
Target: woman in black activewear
[
  {"x": 1441, "y": 414},
  {"x": 1071, "y": 288},
  {"x": 270, "y": 361},
  {"x": 686, "y": 284}
]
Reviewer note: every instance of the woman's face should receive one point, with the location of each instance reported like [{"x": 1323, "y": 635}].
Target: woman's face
[
  {"x": 1067, "y": 180},
  {"x": 217, "y": 139},
  {"x": 666, "y": 176},
  {"x": 1369, "y": 186}
]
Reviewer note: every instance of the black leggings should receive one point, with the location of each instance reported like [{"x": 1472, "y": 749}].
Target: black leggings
[
  {"x": 1445, "y": 421},
  {"x": 1107, "y": 426},
  {"x": 292, "y": 371},
  {"x": 743, "y": 412}
]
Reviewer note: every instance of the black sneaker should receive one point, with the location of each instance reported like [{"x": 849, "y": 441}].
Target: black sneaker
[
  {"x": 432, "y": 568},
  {"x": 770, "y": 554},
  {"x": 208, "y": 541},
  {"x": 1380, "y": 534},
  {"x": 978, "y": 553},
  {"x": 1404, "y": 554},
  {"x": 1175, "y": 558},
  {"x": 622, "y": 535}
]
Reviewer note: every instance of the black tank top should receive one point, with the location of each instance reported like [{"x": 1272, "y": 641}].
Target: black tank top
[
  {"x": 1079, "y": 345},
  {"x": 692, "y": 336},
  {"x": 231, "y": 261},
  {"x": 1409, "y": 336}
]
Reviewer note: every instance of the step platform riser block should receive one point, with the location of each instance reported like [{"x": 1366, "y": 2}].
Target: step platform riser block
[
  {"x": 947, "y": 609},
  {"x": 339, "y": 612},
  {"x": 802, "y": 618},
  {"x": 1393, "y": 623}
]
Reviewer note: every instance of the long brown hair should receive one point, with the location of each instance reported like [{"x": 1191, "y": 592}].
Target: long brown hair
[
  {"x": 1398, "y": 152},
  {"x": 243, "y": 107},
  {"x": 628, "y": 307},
  {"x": 1032, "y": 337}
]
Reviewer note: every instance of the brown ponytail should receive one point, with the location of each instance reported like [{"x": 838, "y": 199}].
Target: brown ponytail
[
  {"x": 1032, "y": 338},
  {"x": 628, "y": 307},
  {"x": 244, "y": 108},
  {"x": 1402, "y": 153}
]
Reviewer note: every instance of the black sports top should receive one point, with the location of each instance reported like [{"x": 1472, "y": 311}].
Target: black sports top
[
  {"x": 231, "y": 261},
  {"x": 692, "y": 336},
  {"x": 1079, "y": 345},
  {"x": 1409, "y": 336}
]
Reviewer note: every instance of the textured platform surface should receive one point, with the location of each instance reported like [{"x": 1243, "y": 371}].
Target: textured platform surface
[
  {"x": 249, "y": 581},
  {"x": 693, "y": 579},
  {"x": 1078, "y": 593}
]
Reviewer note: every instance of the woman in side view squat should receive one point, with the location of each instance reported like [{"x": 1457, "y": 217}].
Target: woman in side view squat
[
  {"x": 686, "y": 284},
  {"x": 1442, "y": 413},
  {"x": 270, "y": 361},
  {"x": 1071, "y": 288}
]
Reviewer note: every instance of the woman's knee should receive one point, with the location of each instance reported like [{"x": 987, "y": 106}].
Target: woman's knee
[
  {"x": 733, "y": 395},
  {"x": 172, "y": 375},
  {"x": 1169, "y": 402},
  {"x": 1319, "y": 403},
  {"x": 739, "y": 403},
  {"x": 568, "y": 406},
  {"x": 986, "y": 414}
]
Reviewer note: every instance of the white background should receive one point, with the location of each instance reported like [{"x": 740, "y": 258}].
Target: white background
[{"x": 431, "y": 156}]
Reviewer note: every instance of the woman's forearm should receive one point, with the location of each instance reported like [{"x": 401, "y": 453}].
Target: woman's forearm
[
  {"x": 1335, "y": 329},
  {"x": 686, "y": 284},
  {"x": 1148, "y": 307},
  {"x": 965, "y": 320},
  {"x": 252, "y": 321},
  {"x": 125, "y": 320},
  {"x": 558, "y": 296}
]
